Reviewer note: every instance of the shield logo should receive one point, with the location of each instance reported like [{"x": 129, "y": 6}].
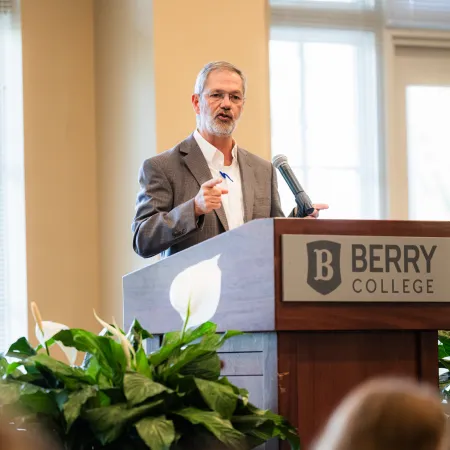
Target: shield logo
[{"x": 324, "y": 266}]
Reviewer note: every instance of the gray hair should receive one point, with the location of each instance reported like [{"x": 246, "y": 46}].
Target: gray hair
[{"x": 211, "y": 67}]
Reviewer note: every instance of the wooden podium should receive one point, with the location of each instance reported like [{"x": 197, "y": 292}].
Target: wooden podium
[{"x": 300, "y": 356}]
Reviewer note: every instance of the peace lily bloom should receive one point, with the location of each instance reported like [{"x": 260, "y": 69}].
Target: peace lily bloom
[
  {"x": 46, "y": 329},
  {"x": 195, "y": 292},
  {"x": 124, "y": 342}
]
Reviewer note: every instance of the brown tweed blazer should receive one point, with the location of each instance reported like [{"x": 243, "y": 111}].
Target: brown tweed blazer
[{"x": 165, "y": 220}]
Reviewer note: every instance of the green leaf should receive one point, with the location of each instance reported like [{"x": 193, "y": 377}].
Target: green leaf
[
  {"x": 61, "y": 371},
  {"x": 41, "y": 401},
  {"x": 204, "y": 329},
  {"x": 182, "y": 384},
  {"x": 218, "y": 397},
  {"x": 13, "y": 369},
  {"x": 243, "y": 393},
  {"x": 61, "y": 398},
  {"x": 21, "y": 349},
  {"x": 206, "y": 366},
  {"x": 278, "y": 425},
  {"x": 34, "y": 398},
  {"x": 32, "y": 374},
  {"x": 157, "y": 432},
  {"x": 221, "y": 428},
  {"x": 3, "y": 365},
  {"x": 248, "y": 422},
  {"x": 75, "y": 402},
  {"x": 209, "y": 343},
  {"x": 444, "y": 363},
  {"x": 173, "y": 341},
  {"x": 229, "y": 334},
  {"x": 48, "y": 343},
  {"x": 138, "y": 388},
  {"x": 104, "y": 382},
  {"x": 9, "y": 392},
  {"x": 108, "y": 352},
  {"x": 92, "y": 368},
  {"x": 215, "y": 341},
  {"x": 172, "y": 337},
  {"x": 136, "y": 334},
  {"x": 103, "y": 399},
  {"x": 108, "y": 423},
  {"x": 443, "y": 347},
  {"x": 142, "y": 365}
]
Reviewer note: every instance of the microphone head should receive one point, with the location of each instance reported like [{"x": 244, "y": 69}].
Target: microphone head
[{"x": 278, "y": 160}]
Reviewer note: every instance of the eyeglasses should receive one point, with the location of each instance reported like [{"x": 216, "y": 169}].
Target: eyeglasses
[{"x": 216, "y": 97}]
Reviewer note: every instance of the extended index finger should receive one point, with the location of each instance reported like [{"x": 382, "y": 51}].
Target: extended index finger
[
  {"x": 213, "y": 182},
  {"x": 320, "y": 206}
]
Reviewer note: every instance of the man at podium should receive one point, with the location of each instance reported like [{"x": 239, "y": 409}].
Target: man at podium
[{"x": 206, "y": 184}]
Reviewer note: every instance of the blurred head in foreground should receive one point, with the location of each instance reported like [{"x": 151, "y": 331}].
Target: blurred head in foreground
[
  {"x": 387, "y": 414},
  {"x": 12, "y": 439}
]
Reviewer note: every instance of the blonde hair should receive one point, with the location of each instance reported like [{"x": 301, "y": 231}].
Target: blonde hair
[{"x": 387, "y": 414}]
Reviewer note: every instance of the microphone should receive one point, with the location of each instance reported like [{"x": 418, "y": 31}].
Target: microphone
[{"x": 305, "y": 207}]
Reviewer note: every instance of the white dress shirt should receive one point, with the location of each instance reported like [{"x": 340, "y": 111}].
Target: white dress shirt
[{"x": 232, "y": 202}]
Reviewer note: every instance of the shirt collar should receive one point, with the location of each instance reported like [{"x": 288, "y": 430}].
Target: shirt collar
[{"x": 213, "y": 155}]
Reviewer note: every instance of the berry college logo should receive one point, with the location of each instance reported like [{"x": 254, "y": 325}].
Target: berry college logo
[{"x": 324, "y": 266}]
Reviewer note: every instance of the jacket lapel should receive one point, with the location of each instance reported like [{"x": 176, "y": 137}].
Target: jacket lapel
[
  {"x": 248, "y": 184},
  {"x": 197, "y": 165}
]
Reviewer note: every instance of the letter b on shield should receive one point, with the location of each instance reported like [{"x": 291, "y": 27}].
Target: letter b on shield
[{"x": 324, "y": 266}]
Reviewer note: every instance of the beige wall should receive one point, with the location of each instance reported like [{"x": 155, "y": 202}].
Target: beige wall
[
  {"x": 125, "y": 133},
  {"x": 106, "y": 82},
  {"x": 60, "y": 160},
  {"x": 188, "y": 34}
]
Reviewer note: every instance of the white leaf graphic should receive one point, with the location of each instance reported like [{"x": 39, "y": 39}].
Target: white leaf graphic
[{"x": 201, "y": 284}]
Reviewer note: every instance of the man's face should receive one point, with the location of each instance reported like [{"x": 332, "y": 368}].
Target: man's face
[{"x": 221, "y": 103}]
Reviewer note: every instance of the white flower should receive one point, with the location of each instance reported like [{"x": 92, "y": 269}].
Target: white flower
[
  {"x": 46, "y": 329},
  {"x": 197, "y": 288},
  {"x": 124, "y": 342}
]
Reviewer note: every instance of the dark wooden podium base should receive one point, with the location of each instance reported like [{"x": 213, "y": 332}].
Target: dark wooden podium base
[
  {"x": 317, "y": 369},
  {"x": 326, "y": 349}
]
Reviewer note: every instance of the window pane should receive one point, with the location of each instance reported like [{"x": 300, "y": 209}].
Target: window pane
[
  {"x": 428, "y": 112},
  {"x": 340, "y": 189},
  {"x": 285, "y": 97},
  {"x": 330, "y": 99}
]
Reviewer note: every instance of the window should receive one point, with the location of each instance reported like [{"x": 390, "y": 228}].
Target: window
[
  {"x": 324, "y": 106},
  {"x": 13, "y": 302},
  {"x": 428, "y": 110},
  {"x": 328, "y": 96}
]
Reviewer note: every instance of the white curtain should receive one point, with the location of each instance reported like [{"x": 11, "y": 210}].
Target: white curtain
[{"x": 13, "y": 301}]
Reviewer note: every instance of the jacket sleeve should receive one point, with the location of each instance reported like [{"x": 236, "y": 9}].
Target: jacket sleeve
[{"x": 157, "y": 224}]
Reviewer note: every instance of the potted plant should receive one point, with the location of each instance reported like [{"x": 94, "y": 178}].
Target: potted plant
[{"x": 122, "y": 398}]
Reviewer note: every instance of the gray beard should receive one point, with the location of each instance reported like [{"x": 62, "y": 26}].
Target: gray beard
[{"x": 220, "y": 129}]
